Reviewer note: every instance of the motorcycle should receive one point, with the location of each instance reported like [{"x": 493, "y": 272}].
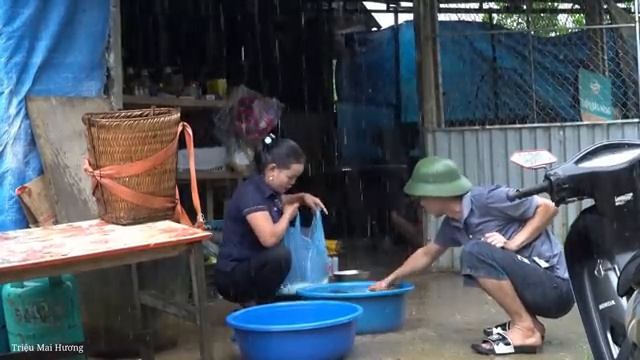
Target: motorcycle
[{"x": 602, "y": 247}]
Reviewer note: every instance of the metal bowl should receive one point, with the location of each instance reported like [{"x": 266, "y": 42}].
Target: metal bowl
[{"x": 351, "y": 275}]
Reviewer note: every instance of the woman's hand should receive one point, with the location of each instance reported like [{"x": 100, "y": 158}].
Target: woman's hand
[
  {"x": 290, "y": 210},
  {"x": 313, "y": 203}
]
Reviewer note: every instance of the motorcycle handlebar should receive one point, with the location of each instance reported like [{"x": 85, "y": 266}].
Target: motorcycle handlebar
[{"x": 528, "y": 191}]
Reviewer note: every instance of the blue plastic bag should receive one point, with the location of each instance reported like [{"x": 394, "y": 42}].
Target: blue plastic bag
[{"x": 309, "y": 257}]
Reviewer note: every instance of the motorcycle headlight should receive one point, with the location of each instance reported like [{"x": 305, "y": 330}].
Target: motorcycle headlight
[{"x": 632, "y": 318}]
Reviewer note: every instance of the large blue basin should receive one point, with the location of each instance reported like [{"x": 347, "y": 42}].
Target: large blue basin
[
  {"x": 309, "y": 330},
  {"x": 383, "y": 311}
]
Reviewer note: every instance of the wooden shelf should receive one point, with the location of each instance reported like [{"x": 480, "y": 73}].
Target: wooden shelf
[
  {"x": 173, "y": 102},
  {"x": 209, "y": 175}
]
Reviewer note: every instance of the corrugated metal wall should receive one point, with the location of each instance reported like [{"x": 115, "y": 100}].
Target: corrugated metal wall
[{"x": 483, "y": 154}]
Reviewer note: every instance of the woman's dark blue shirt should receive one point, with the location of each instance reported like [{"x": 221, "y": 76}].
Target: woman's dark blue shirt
[{"x": 240, "y": 243}]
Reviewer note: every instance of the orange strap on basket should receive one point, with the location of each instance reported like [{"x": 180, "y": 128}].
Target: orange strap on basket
[{"x": 107, "y": 175}]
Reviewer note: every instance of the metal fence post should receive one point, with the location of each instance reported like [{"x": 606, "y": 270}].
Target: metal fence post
[
  {"x": 530, "y": 30},
  {"x": 428, "y": 63},
  {"x": 637, "y": 24}
]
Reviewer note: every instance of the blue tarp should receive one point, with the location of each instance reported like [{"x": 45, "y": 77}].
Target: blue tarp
[
  {"x": 47, "y": 48},
  {"x": 366, "y": 88},
  {"x": 486, "y": 79},
  {"x": 360, "y": 131},
  {"x": 368, "y": 75}
]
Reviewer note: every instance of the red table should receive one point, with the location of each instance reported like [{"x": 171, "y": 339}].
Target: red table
[{"x": 92, "y": 245}]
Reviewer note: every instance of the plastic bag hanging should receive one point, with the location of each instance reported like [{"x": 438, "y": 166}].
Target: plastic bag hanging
[{"x": 309, "y": 257}]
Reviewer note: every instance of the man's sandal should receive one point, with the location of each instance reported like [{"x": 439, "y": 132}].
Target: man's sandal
[
  {"x": 496, "y": 329},
  {"x": 502, "y": 345},
  {"x": 500, "y": 328}
]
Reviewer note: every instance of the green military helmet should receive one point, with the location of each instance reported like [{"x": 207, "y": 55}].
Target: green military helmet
[{"x": 436, "y": 177}]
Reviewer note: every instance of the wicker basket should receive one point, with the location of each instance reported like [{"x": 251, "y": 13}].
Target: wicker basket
[{"x": 122, "y": 137}]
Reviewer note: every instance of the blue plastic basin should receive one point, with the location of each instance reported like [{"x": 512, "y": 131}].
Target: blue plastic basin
[
  {"x": 383, "y": 311},
  {"x": 310, "y": 330}
]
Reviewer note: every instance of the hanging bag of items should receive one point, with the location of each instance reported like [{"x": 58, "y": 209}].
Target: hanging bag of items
[
  {"x": 132, "y": 162},
  {"x": 245, "y": 121}
]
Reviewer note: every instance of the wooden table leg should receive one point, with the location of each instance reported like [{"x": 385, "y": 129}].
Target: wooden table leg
[
  {"x": 196, "y": 260},
  {"x": 144, "y": 334}
]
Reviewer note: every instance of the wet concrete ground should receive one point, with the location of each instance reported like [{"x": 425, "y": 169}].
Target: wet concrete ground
[{"x": 443, "y": 319}]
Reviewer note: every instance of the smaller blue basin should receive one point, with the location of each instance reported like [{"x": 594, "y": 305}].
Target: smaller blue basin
[
  {"x": 383, "y": 311},
  {"x": 313, "y": 330}
]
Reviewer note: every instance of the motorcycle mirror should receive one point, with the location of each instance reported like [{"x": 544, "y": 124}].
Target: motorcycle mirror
[{"x": 533, "y": 159}]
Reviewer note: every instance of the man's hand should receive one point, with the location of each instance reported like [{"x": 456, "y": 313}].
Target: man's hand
[
  {"x": 496, "y": 240},
  {"x": 313, "y": 203},
  {"x": 380, "y": 285},
  {"x": 543, "y": 217},
  {"x": 418, "y": 261}
]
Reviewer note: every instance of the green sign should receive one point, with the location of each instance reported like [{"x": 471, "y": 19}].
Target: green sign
[{"x": 595, "y": 97}]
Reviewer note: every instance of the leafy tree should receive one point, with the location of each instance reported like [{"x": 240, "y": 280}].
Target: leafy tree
[{"x": 542, "y": 24}]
